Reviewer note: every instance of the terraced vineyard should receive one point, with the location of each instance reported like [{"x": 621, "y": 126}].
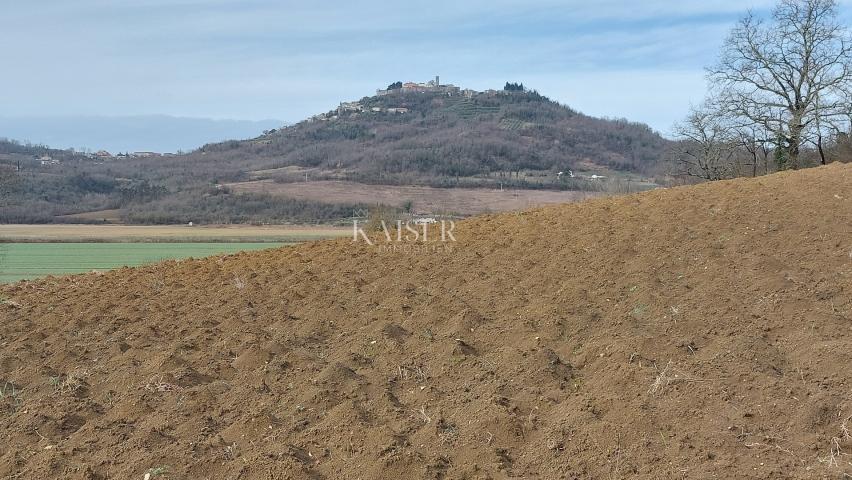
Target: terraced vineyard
[
  {"x": 514, "y": 124},
  {"x": 467, "y": 108}
]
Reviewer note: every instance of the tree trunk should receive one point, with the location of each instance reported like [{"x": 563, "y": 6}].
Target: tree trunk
[
  {"x": 754, "y": 162},
  {"x": 790, "y": 154},
  {"x": 792, "y": 157},
  {"x": 794, "y": 142}
]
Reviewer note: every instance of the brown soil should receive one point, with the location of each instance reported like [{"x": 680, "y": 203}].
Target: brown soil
[
  {"x": 701, "y": 332},
  {"x": 429, "y": 200}
]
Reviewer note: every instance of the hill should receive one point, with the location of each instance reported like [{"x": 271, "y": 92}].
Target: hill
[
  {"x": 488, "y": 140},
  {"x": 11, "y": 151},
  {"x": 18, "y": 195},
  {"x": 694, "y": 332},
  {"x": 433, "y": 138}
]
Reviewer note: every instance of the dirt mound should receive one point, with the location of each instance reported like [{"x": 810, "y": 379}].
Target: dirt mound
[{"x": 700, "y": 332}]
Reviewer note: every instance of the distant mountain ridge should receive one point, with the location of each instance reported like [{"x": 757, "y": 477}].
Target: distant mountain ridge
[{"x": 129, "y": 133}]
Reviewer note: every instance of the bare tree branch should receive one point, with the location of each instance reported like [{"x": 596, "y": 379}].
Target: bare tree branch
[{"x": 790, "y": 76}]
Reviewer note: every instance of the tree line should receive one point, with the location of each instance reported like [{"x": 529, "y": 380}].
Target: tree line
[{"x": 780, "y": 96}]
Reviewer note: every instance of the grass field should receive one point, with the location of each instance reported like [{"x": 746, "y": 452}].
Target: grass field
[
  {"x": 19, "y": 261},
  {"x": 32, "y": 251}
]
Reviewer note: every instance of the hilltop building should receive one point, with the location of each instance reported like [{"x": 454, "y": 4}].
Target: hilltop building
[
  {"x": 432, "y": 86},
  {"x": 349, "y": 107},
  {"x": 354, "y": 109},
  {"x": 47, "y": 160}
]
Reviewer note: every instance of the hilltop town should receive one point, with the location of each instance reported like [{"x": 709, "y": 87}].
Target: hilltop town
[{"x": 433, "y": 87}]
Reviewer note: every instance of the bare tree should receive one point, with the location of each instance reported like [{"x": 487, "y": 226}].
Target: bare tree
[
  {"x": 789, "y": 76},
  {"x": 9, "y": 184},
  {"x": 756, "y": 146},
  {"x": 707, "y": 148},
  {"x": 842, "y": 148}
]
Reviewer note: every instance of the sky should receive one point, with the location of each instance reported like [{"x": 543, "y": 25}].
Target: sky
[{"x": 287, "y": 60}]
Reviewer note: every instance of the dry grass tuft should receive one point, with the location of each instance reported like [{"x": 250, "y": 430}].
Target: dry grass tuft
[
  {"x": 411, "y": 373},
  {"x": 662, "y": 381},
  {"x": 668, "y": 376},
  {"x": 423, "y": 416},
  {"x": 71, "y": 383},
  {"x": 157, "y": 384}
]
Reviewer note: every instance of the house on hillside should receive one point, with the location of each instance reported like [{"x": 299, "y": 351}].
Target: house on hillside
[
  {"x": 345, "y": 107},
  {"x": 102, "y": 154},
  {"x": 47, "y": 160},
  {"x": 144, "y": 154},
  {"x": 397, "y": 110},
  {"x": 425, "y": 220}
]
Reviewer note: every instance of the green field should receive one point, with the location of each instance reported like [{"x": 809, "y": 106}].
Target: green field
[{"x": 19, "y": 261}]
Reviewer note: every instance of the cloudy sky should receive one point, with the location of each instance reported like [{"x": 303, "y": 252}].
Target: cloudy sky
[{"x": 283, "y": 59}]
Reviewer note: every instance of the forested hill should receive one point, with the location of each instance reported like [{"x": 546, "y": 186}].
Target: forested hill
[
  {"x": 423, "y": 137},
  {"x": 11, "y": 149}
]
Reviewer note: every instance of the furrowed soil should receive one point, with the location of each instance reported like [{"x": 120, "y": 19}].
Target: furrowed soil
[{"x": 700, "y": 332}]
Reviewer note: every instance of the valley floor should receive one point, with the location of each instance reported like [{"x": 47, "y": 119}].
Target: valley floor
[{"x": 462, "y": 201}]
